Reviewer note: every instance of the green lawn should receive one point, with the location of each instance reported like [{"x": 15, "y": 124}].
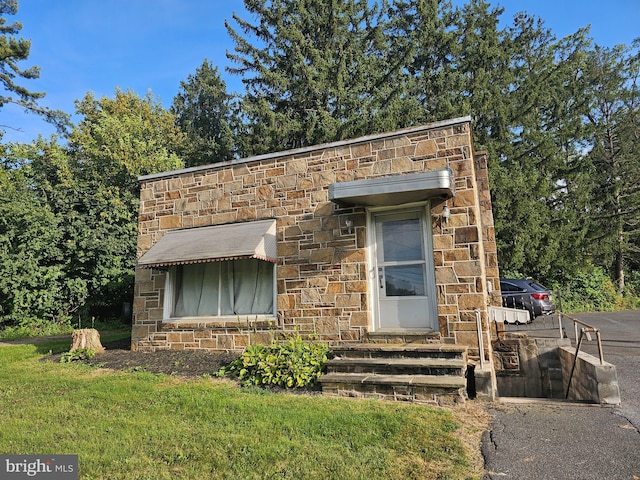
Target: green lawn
[{"x": 142, "y": 426}]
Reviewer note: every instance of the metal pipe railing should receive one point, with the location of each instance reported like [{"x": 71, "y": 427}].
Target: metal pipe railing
[
  {"x": 587, "y": 329},
  {"x": 584, "y": 331},
  {"x": 480, "y": 332}
]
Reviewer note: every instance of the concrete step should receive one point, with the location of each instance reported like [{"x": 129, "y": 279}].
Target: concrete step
[
  {"x": 398, "y": 366},
  {"x": 403, "y": 337},
  {"x": 368, "y": 350},
  {"x": 432, "y": 373},
  {"x": 434, "y": 389}
]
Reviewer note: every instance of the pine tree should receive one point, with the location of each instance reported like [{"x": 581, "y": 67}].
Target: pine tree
[
  {"x": 309, "y": 75},
  {"x": 206, "y": 115},
  {"x": 13, "y": 51},
  {"x": 615, "y": 158}
]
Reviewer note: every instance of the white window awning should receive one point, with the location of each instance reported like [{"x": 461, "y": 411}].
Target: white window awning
[
  {"x": 394, "y": 190},
  {"x": 216, "y": 243}
]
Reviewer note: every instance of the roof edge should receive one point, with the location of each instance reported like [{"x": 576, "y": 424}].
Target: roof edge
[{"x": 312, "y": 148}]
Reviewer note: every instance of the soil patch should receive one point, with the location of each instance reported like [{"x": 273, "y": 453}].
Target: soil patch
[{"x": 185, "y": 363}]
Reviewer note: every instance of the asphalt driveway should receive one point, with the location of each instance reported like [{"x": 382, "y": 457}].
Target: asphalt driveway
[{"x": 555, "y": 440}]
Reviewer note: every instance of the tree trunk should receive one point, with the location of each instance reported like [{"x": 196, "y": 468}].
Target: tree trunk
[{"x": 86, "y": 338}]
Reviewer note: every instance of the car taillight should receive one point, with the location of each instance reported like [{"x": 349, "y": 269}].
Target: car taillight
[{"x": 540, "y": 296}]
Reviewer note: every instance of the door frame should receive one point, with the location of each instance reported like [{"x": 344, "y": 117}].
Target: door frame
[{"x": 424, "y": 208}]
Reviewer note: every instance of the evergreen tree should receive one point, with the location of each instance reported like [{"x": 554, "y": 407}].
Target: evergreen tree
[
  {"x": 310, "y": 76},
  {"x": 535, "y": 150},
  {"x": 13, "y": 51},
  {"x": 205, "y": 113},
  {"x": 421, "y": 52},
  {"x": 614, "y": 123}
]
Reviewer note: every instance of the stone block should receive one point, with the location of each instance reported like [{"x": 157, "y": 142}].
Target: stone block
[
  {"x": 442, "y": 242},
  {"x": 400, "y": 141},
  {"x": 309, "y": 295},
  {"x": 287, "y": 271},
  {"x": 264, "y": 192},
  {"x": 310, "y": 225},
  {"x": 323, "y": 179},
  {"x": 401, "y": 165},
  {"x": 324, "y": 209},
  {"x": 382, "y": 167},
  {"x": 471, "y": 301},
  {"x": 170, "y": 222},
  {"x": 274, "y": 172},
  {"x": 464, "y": 198},
  {"x": 456, "y": 255},
  {"x": 472, "y": 268},
  {"x": 246, "y": 213},
  {"x": 466, "y": 235},
  {"x": 347, "y": 300},
  {"x": 356, "y": 286},
  {"x": 361, "y": 150},
  {"x": 446, "y": 275},
  {"x": 322, "y": 255},
  {"x": 426, "y": 147}
]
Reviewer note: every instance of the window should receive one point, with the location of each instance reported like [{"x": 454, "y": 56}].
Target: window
[{"x": 221, "y": 288}]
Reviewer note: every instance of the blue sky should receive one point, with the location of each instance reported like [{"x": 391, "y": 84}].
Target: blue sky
[{"x": 142, "y": 45}]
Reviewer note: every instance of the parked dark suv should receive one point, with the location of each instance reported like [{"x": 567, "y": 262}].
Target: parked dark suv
[{"x": 528, "y": 295}]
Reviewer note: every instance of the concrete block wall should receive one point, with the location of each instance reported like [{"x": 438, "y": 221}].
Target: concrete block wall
[
  {"x": 528, "y": 367},
  {"x": 591, "y": 381},
  {"x": 322, "y": 272}
]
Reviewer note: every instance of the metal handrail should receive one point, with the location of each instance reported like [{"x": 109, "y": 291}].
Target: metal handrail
[
  {"x": 587, "y": 329},
  {"x": 584, "y": 331}
]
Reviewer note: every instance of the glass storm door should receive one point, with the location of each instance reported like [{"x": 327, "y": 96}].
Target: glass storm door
[{"x": 403, "y": 271}]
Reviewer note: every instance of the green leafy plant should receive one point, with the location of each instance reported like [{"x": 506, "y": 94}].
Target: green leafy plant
[
  {"x": 291, "y": 364},
  {"x": 77, "y": 354},
  {"x": 589, "y": 290}
]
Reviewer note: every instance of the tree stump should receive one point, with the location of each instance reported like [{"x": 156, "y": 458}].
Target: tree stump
[{"x": 86, "y": 338}]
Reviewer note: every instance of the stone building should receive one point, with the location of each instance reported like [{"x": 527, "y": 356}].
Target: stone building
[{"x": 384, "y": 238}]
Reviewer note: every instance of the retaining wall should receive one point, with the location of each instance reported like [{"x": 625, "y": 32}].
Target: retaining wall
[{"x": 591, "y": 381}]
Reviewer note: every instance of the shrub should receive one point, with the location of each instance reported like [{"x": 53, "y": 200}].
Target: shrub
[
  {"x": 35, "y": 329},
  {"x": 590, "y": 289},
  {"x": 292, "y": 364}
]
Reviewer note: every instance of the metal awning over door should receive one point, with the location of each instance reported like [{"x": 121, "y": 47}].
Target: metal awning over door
[{"x": 395, "y": 189}]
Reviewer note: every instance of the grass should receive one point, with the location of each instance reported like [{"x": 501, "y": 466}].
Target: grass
[
  {"x": 39, "y": 329},
  {"x": 143, "y": 426}
]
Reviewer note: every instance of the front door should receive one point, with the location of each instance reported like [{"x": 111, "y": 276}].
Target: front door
[{"x": 404, "y": 270}]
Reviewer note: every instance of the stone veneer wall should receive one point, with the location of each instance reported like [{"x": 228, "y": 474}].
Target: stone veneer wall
[{"x": 322, "y": 268}]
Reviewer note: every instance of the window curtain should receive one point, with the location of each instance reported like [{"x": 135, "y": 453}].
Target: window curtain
[
  {"x": 237, "y": 287},
  {"x": 197, "y": 290}
]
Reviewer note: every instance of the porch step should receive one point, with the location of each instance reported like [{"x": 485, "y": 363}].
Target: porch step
[
  {"x": 431, "y": 350},
  {"x": 398, "y": 366},
  {"x": 403, "y": 337},
  {"x": 425, "y": 373}
]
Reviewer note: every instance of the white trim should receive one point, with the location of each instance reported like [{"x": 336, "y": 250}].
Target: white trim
[
  {"x": 260, "y": 317},
  {"x": 169, "y": 301}
]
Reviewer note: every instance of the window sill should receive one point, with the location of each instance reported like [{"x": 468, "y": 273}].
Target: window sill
[{"x": 246, "y": 322}]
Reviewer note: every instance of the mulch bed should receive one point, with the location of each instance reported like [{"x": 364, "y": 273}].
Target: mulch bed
[{"x": 185, "y": 363}]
